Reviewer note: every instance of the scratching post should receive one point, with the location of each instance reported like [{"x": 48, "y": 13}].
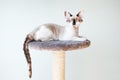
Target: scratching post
[
  {"x": 58, "y": 48},
  {"x": 59, "y": 65}
]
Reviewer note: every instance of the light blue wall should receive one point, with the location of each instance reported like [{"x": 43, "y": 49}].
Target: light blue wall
[{"x": 101, "y": 61}]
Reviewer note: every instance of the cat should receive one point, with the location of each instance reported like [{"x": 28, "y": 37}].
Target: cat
[{"x": 50, "y": 31}]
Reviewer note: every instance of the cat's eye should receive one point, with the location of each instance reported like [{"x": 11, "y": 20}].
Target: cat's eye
[
  {"x": 67, "y": 20},
  {"x": 80, "y": 20}
]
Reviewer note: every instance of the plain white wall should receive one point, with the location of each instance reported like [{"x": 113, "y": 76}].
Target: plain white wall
[{"x": 101, "y": 61}]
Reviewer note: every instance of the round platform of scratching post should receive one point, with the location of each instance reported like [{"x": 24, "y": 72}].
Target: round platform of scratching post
[
  {"x": 59, "y": 45},
  {"x": 59, "y": 48}
]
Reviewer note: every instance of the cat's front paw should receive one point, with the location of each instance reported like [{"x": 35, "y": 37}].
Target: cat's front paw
[{"x": 79, "y": 39}]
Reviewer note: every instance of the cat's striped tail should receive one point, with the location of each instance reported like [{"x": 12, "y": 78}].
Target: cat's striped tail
[{"x": 28, "y": 39}]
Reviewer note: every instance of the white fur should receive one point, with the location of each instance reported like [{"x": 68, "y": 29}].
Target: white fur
[
  {"x": 43, "y": 34},
  {"x": 68, "y": 33}
]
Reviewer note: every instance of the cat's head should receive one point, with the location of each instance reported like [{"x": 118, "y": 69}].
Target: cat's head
[{"x": 74, "y": 20}]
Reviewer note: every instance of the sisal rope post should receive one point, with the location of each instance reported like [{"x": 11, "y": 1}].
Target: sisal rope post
[{"x": 58, "y": 65}]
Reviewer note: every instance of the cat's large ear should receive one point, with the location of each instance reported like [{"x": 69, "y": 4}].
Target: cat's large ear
[
  {"x": 80, "y": 16},
  {"x": 67, "y": 15}
]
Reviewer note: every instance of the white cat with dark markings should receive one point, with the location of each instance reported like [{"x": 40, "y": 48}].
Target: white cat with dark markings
[{"x": 52, "y": 31}]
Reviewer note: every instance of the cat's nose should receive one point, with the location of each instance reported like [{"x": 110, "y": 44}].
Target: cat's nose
[{"x": 74, "y": 22}]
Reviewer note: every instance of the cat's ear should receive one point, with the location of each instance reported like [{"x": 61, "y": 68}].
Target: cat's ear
[
  {"x": 80, "y": 15},
  {"x": 67, "y": 15}
]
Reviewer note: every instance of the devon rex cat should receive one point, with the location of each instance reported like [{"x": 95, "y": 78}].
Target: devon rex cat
[{"x": 52, "y": 31}]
